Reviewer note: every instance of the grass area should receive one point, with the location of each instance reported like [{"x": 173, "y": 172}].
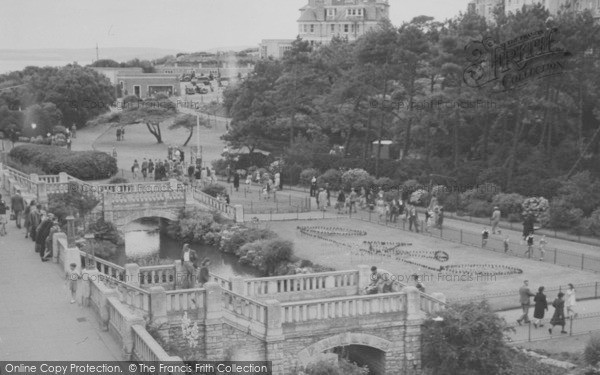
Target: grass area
[{"x": 341, "y": 257}]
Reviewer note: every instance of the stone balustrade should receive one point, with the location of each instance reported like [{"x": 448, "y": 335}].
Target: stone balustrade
[
  {"x": 344, "y": 307},
  {"x": 303, "y": 286},
  {"x": 190, "y": 300},
  {"x": 147, "y": 350},
  {"x": 223, "y": 207},
  {"x": 431, "y": 304},
  {"x": 162, "y": 275}
]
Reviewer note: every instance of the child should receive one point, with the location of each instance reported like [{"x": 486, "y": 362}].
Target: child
[
  {"x": 484, "y": 236},
  {"x": 542, "y": 247},
  {"x": 529, "y": 240},
  {"x": 71, "y": 280},
  {"x": 506, "y": 245}
]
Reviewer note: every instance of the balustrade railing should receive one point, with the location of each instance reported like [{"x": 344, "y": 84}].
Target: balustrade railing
[
  {"x": 164, "y": 275},
  {"x": 333, "y": 308},
  {"x": 185, "y": 300},
  {"x": 146, "y": 349},
  {"x": 244, "y": 307},
  {"x": 133, "y": 296},
  {"x": 116, "y": 318},
  {"x": 105, "y": 267},
  {"x": 213, "y": 202},
  {"x": 311, "y": 282},
  {"x": 223, "y": 282},
  {"x": 431, "y": 305}
]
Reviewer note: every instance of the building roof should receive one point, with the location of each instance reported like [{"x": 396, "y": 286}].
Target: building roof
[{"x": 308, "y": 15}]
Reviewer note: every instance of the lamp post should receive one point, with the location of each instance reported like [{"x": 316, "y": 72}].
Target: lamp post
[{"x": 90, "y": 256}]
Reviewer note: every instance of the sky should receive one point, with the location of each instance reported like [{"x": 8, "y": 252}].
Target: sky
[{"x": 183, "y": 25}]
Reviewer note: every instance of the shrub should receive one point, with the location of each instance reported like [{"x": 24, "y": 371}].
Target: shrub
[
  {"x": 514, "y": 218},
  {"x": 307, "y": 175},
  {"x": 244, "y": 236},
  {"x": 591, "y": 353},
  {"x": 419, "y": 197},
  {"x": 246, "y": 161},
  {"x": 479, "y": 208},
  {"x": 25, "y": 168},
  {"x": 356, "y": 178},
  {"x": 333, "y": 177},
  {"x": 220, "y": 166},
  {"x": 106, "y": 231},
  {"x": 508, "y": 203},
  {"x": 103, "y": 249},
  {"x": 214, "y": 190},
  {"x": 73, "y": 202},
  {"x": 276, "y": 253},
  {"x": 118, "y": 180},
  {"x": 494, "y": 175},
  {"x": 538, "y": 207},
  {"x": 385, "y": 183},
  {"x": 85, "y": 165},
  {"x": 562, "y": 215},
  {"x": 192, "y": 225},
  {"x": 59, "y": 129}
]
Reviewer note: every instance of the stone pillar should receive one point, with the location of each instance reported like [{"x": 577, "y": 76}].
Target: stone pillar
[
  {"x": 179, "y": 275},
  {"x": 413, "y": 302},
  {"x": 71, "y": 255},
  {"x": 92, "y": 276},
  {"x": 34, "y": 177},
  {"x": 132, "y": 274},
  {"x": 275, "y": 336},
  {"x": 71, "y": 230},
  {"x": 238, "y": 285},
  {"x": 213, "y": 323},
  {"x": 173, "y": 184},
  {"x": 329, "y": 282},
  {"x": 158, "y": 304},
  {"x": 239, "y": 213},
  {"x": 364, "y": 278},
  {"x": 63, "y": 177},
  {"x": 55, "y": 253}
]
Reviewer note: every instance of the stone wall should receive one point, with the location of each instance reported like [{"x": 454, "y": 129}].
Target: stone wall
[{"x": 240, "y": 346}]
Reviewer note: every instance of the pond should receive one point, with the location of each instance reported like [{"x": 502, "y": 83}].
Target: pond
[{"x": 145, "y": 238}]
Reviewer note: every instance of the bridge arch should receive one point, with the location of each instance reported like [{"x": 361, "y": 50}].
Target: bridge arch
[
  {"x": 312, "y": 352},
  {"x": 133, "y": 215}
]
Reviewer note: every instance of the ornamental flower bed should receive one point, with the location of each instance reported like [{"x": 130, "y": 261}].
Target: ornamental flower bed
[
  {"x": 331, "y": 231},
  {"x": 482, "y": 269}
]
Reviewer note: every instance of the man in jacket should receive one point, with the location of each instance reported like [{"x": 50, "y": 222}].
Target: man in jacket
[
  {"x": 188, "y": 260},
  {"x": 17, "y": 205},
  {"x": 525, "y": 294}
]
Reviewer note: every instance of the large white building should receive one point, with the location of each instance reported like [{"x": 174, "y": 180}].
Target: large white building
[
  {"x": 321, "y": 20},
  {"x": 485, "y": 7}
]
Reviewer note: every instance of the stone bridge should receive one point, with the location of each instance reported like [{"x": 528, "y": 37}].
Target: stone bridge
[
  {"x": 291, "y": 321},
  {"x": 120, "y": 203}
]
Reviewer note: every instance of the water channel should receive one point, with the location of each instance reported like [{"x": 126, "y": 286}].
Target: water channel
[{"x": 144, "y": 238}]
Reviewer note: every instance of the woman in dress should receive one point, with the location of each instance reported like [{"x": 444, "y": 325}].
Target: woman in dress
[
  {"x": 558, "y": 319},
  {"x": 541, "y": 306},
  {"x": 135, "y": 169}
]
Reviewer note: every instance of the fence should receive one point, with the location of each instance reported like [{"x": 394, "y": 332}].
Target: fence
[
  {"x": 510, "y": 300},
  {"x": 581, "y": 325},
  {"x": 564, "y": 258}
]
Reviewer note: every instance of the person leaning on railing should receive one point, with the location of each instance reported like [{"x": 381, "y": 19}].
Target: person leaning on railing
[{"x": 188, "y": 260}]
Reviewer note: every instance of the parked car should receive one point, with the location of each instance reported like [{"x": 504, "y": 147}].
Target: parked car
[
  {"x": 189, "y": 90},
  {"x": 201, "y": 90},
  {"x": 186, "y": 78}
]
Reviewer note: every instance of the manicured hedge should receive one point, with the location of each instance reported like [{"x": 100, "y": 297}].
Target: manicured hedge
[{"x": 85, "y": 165}]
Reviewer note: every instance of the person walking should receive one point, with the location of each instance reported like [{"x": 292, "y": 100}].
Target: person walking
[
  {"x": 380, "y": 208},
  {"x": 506, "y": 244},
  {"x": 27, "y": 216},
  {"x": 495, "y": 219},
  {"x": 313, "y": 186},
  {"x": 71, "y": 278},
  {"x": 3, "y": 219},
  {"x": 353, "y": 197},
  {"x": 144, "y": 168},
  {"x": 236, "y": 181},
  {"x": 524, "y": 294},
  {"x": 412, "y": 218},
  {"x": 42, "y": 232},
  {"x": 135, "y": 168},
  {"x": 188, "y": 260},
  {"x": 529, "y": 250},
  {"x": 570, "y": 301},
  {"x": 35, "y": 218},
  {"x": 322, "y": 199},
  {"x": 541, "y": 306},
  {"x": 150, "y": 167},
  {"x": 17, "y": 206},
  {"x": 542, "y": 247},
  {"x": 558, "y": 318},
  {"x": 341, "y": 200},
  {"x": 118, "y": 134},
  {"x": 485, "y": 234},
  {"x": 122, "y": 133},
  {"x": 49, "y": 249}
]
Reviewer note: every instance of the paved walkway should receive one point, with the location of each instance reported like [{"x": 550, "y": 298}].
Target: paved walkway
[
  {"x": 588, "y": 321},
  {"x": 37, "y": 322}
]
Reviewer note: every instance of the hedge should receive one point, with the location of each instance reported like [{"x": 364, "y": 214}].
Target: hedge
[{"x": 85, "y": 165}]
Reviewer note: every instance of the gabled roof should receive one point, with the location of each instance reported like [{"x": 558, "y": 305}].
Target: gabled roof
[{"x": 308, "y": 15}]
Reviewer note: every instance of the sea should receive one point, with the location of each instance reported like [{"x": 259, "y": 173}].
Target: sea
[{"x": 7, "y": 66}]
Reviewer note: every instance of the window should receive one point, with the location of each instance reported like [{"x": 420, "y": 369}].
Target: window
[
  {"x": 312, "y": 28},
  {"x": 346, "y": 28},
  {"x": 305, "y": 28},
  {"x": 360, "y": 12},
  {"x": 333, "y": 26},
  {"x": 331, "y": 12}
]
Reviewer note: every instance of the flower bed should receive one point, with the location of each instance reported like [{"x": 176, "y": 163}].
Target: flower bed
[
  {"x": 331, "y": 231},
  {"x": 482, "y": 269}
]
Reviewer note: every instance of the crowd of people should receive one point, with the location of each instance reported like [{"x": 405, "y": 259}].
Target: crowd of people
[
  {"x": 39, "y": 224},
  {"x": 561, "y": 302}
]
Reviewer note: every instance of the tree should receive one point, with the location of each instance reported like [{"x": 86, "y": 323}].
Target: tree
[
  {"x": 150, "y": 112},
  {"x": 46, "y": 116},
  {"x": 469, "y": 341},
  {"x": 105, "y": 63},
  {"x": 189, "y": 122}
]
